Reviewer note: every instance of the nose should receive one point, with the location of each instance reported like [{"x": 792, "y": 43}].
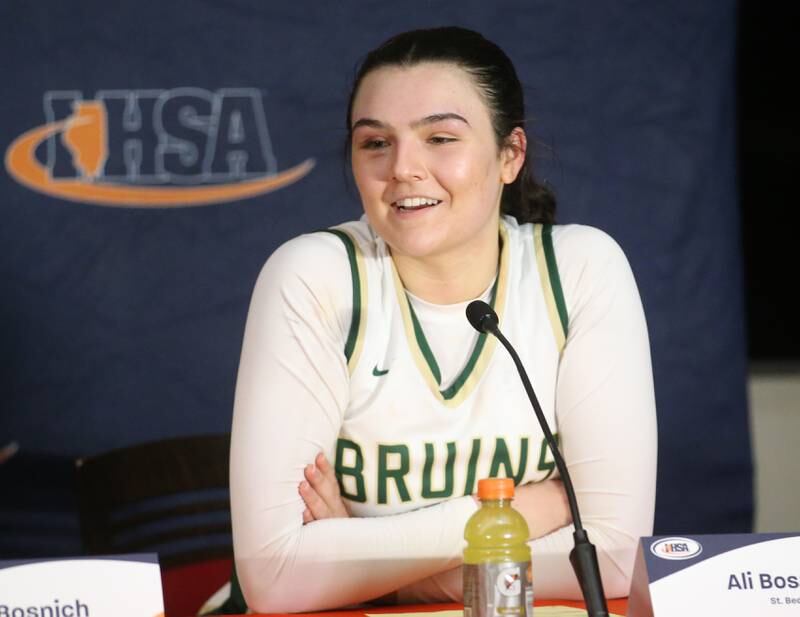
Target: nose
[{"x": 408, "y": 164}]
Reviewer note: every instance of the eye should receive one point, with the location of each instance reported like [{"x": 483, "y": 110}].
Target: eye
[
  {"x": 441, "y": 139},
  {"x": 374, "y": 143}
]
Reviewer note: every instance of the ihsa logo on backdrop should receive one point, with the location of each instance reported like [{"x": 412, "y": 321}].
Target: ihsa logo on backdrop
[{"x": 151, "y": 148}]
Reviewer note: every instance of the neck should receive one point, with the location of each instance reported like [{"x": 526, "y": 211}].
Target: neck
[{"x": 450, "y": 278}]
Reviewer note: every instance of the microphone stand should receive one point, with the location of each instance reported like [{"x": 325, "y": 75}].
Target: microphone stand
[{"x": 583, "y": 556}]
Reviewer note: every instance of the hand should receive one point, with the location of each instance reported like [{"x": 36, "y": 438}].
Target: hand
[
  {"x": 320, "y": 492},
  {"x": 544, "y": 506}
]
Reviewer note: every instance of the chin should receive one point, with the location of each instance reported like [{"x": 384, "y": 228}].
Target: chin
[{"x": 415, "y": 245}]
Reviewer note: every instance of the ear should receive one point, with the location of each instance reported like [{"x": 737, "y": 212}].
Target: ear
[{"x": 513, "y": 155}]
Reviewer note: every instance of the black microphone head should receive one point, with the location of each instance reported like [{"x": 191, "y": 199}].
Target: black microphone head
[{"x": 482, "y": 316}]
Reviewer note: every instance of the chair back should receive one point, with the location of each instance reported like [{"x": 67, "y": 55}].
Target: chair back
[{"x": 170, "y": 497}]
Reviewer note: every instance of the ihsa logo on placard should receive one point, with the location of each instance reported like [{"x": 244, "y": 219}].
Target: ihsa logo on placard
[
  {"x": 151, "y": 148},
  {"x": 676, "y": 548}
]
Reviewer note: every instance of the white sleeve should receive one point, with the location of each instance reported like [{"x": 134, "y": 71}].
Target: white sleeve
[
  {"x": 291, "y": 393},
  {"x": 605, "y": 410}
]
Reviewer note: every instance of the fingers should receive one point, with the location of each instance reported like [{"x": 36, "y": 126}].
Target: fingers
[
  {"x": 320, "y": 492},
  {"x": 316, "y": 508},
  {"x": 327, "y": 469},
  {"x": 322, "y": 478}
]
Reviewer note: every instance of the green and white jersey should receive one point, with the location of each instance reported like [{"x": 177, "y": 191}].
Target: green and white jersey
[
  {"x": 408, "y": 438},
  {"x": 414, "y": 407}
]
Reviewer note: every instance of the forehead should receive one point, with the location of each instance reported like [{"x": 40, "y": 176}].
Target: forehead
[{"x": 399, "y": 95}]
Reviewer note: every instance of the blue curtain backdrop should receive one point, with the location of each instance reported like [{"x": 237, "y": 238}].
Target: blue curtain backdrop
[{"x": 123, "y": 324}]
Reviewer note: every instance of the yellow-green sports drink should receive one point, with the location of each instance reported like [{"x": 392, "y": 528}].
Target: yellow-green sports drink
[{"x": 497, "y": 559}]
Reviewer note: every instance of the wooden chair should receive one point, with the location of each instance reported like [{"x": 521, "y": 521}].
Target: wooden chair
[{"x": 168, "y": 497}]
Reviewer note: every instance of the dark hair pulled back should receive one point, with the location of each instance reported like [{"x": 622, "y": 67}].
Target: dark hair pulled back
[{"x": 493, "y": 73}]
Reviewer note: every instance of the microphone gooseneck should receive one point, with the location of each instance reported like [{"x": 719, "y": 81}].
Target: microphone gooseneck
[
  {"x": 484, "y": 319},
  {"x": 584, "y": 556}
]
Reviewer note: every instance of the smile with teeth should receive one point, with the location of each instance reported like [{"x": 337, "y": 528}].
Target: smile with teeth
[{"x": 415, "y": 203}]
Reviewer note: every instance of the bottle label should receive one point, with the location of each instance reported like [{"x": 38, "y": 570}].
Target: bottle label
[{"x": 498, "y": 589}]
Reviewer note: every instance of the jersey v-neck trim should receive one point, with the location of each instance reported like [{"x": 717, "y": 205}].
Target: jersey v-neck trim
[
  {"x": 424, "y": 358},
  {"x": 551, "y": 283},
  {"x": 358, "y": 274}
]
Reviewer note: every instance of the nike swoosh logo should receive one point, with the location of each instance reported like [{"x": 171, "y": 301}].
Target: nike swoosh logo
[{"x": 378, "y": 372}]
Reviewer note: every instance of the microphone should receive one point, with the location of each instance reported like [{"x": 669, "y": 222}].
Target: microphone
[{"x": 583, "y": 556}]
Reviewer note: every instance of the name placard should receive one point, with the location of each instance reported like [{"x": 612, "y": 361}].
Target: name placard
[
  {"x": 122, "y": 585},
  {"x": 736, "y": 575}
]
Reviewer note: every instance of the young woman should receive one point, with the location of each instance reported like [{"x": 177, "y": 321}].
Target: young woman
[{"x": 366, "y": 405}]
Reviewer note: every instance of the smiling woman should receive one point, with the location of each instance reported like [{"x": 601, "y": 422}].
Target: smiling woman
[
  {"x": 366, "y": 405},
  {"x": 431, "y": 176}
]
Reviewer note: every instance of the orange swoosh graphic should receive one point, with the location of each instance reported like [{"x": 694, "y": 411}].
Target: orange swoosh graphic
[{"x": 22, "y": 164}]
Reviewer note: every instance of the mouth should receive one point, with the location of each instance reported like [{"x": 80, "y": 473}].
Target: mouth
[{"x": 415, "y": 203}]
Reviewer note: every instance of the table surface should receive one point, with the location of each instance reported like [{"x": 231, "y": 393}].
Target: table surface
[{"x": 617, "y": 607}]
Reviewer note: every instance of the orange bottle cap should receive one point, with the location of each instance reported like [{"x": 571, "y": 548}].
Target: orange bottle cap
[{"x": 496, "y": 488}]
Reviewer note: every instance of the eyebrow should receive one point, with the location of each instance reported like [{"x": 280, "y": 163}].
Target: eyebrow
[{"x": 432, "y": 119}]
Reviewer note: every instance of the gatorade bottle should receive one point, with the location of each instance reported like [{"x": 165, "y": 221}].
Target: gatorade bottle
[{"x": 497, "y": 559}]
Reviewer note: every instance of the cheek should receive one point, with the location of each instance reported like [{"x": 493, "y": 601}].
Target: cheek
[
  {"x": 477, "y": 175},
  {"x": 458, "y": 171},
  {"x": 473, "y": 162},
  {"x": 364, "y": 178}
]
